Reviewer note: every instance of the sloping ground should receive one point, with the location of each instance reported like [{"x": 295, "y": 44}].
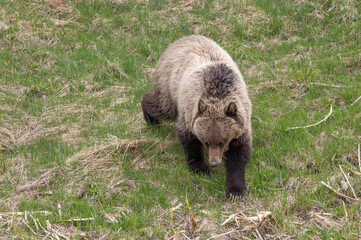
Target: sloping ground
[{"x": 78, "y": 161}]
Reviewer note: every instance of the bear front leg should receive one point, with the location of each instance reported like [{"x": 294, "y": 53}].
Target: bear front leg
[
  {"x": 237, "y": 157},
  {"x": 193, "y": 151}
]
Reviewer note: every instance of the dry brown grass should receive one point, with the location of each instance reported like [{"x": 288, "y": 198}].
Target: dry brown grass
[
  {"x": 23, "y": 183},
  {"x": 99, "y": 160},
  {"x": 249, "y": 224},
  {"x": 54, "y": 120},
  {"x": 97, "y": 156}
]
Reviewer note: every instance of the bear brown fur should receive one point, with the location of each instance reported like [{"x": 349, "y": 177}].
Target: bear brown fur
[{"x": 197, "y": 83}]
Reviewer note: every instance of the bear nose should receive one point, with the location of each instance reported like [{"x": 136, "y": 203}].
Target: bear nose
[{"x": 214, "y": 164}]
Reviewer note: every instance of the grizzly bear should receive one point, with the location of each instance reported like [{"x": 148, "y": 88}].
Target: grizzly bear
[{"x": 197, "y": 83}]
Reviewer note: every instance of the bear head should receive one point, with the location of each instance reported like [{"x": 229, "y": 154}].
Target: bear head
[{"x": 216, "y": 124}]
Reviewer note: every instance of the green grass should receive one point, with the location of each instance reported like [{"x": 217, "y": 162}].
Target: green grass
[{"x": 72, "y": 74}]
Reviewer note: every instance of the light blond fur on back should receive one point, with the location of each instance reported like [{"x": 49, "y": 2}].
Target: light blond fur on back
[{"x": 178, "y": 80}]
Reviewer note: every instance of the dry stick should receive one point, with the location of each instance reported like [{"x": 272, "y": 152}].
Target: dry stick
[
  {"x": 348, "y": 182},
  {"x": 229, "y": 219},
  {"x": 329, "y": 85},
  {"x": 56, "y": 236},
  {"x": 356, "y": 101},
  {"x": 175, "y": 235},
  {"x": 338, "y": 193},
  {"x": 256, "y": 220},
  {"x": 59, "y": 209},
  {"x": 312, "y": 125},
  {"x": 259, "y": 235},
  {"x": 46, "y": 236},
  {"x": 36, "y": 225},
  {"x": 350, "y": 169},
  {"x": 46, "y": 231},
  {"x": 186, "y": 236},
  {"x": 9, "y": 214},
  {"x": 80, "y": 219},
  {"x": 344, "y": 208}
]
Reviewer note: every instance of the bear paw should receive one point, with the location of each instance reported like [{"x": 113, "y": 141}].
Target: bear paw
[{"x": 235, "y": 193}]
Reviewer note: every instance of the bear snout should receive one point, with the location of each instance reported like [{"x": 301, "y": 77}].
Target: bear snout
[
  {"x": 214, "y": 163},
  {"x": 215, "y": 156}
]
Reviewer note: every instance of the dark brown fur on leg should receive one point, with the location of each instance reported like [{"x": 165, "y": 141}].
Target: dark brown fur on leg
[
  {"x": 194, "y": 153},
  {"x": 149, "y": 109},
  {"x": 237, "y": 157}
]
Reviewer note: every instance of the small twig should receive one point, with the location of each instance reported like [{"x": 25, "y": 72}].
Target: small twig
[
  {"x": 300, "y": 2},
  {"x": 356, "y": 101},
  {"x": 348, "y": 182},
  {"x": 80, "y": 219},
  {"x": 56, "y": 236},
  {"x": 221, "y": 235},
  {"x": 338, "y": 193},
  {"x": 47, "y": 233},
  {"x": 59, "y": 209},
  {"x": 36, "y": 225},
  {"x": 258, "y": 234},
  {"x": 46, "y": 236},
  {"x": 312, "y": 125},
  {"x": 344, "y": 208},
  {"x": 185, "y": 236},
  {"x": 176, "y": 234},
  {"x": 329, "y": 85},
  {"x": 9, "y": 214},
  {"x": 350, "y": 169},
  {"x": 229, "y": 219}
]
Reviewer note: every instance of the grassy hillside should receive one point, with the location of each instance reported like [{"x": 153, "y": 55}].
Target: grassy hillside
[{"x": 73, "y": 141}]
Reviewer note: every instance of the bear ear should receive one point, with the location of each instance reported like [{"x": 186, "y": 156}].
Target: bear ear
[
  {"x": 231, "y": 110},
  {"x": 202, "y": 106}
]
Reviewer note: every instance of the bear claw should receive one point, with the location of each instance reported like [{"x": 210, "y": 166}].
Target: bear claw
[{"x": 235, "y": 197}]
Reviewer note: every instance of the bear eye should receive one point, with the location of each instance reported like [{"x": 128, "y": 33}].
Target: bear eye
[
  {"x": 220, "y": 144},
  {"x": 206, "y": 143}
]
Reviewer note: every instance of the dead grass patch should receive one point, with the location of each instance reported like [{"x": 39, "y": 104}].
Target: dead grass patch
[
  {"x": 347, "y": 9},
  {"x": 23, "y": 184},
  {"x": 98, "y": 156},
  {"x": 324, "y": 220},
  {"x": 99, "y": 159},
  {"x": 29, "y": 221},
  {"x": 17, "y": 171},
  {"x": 43, "y": 180},
  {"x": 247, "y": 225},
  {"x": 251, "y": 16},
  {"x": 51, "y": 122},
  {"x": 72, "y": 136}
]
